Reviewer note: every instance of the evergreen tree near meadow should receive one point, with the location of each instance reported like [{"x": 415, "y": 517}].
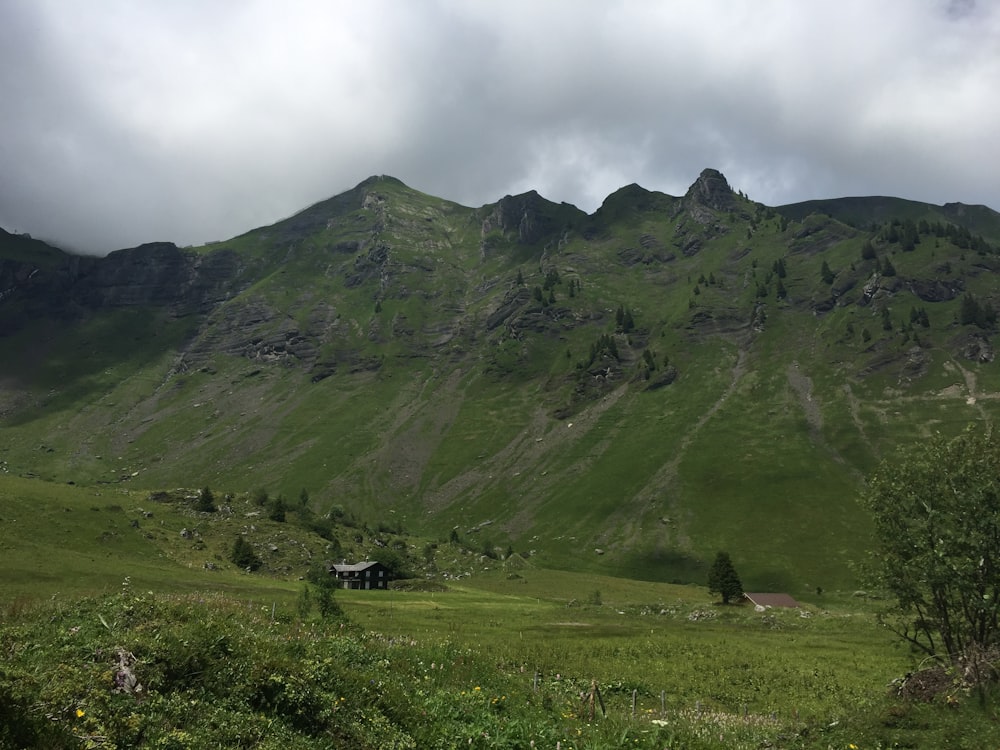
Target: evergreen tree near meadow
[
  {"x": 277, "y": 510},
  {"x": 206, "y": 501},
  {"x": 243, "y": 555},
  {"x": 723, "y": 579}
]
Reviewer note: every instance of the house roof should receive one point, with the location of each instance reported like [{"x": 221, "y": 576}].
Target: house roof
[
  {"x": 771, "y": 600},
  {"x": 354, "y": 567}
]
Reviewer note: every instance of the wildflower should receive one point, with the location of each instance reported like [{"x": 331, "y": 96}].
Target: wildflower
[
  {"x": 80, "y": 713},
  {"x": 476, "y": 688}
]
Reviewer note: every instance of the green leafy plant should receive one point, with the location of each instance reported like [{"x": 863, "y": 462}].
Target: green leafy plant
[{"x": 936, "y": 510}]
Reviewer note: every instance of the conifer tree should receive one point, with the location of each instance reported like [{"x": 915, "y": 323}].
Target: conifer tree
[
  {"x": 206, "y": 501},
  {"x": 243, "y": 555},
  {"x": 277, "y": 510},
  {"x": 723, "y": 579},
  {"x": 826, "y": 273}
]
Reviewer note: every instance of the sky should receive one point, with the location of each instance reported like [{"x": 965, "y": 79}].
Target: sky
[{"x": 131, "y": 121}]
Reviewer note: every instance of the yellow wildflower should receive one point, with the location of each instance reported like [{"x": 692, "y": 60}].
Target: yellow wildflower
[{"x": 80, "y": 713}]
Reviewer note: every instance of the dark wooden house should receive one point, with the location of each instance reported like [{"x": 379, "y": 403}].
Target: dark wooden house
[{"x": 370, "y": 574}]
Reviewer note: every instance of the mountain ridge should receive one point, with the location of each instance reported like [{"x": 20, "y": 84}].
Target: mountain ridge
[{"x": 624, "y": 391}]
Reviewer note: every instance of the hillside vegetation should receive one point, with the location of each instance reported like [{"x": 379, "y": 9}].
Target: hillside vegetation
[
  {"x": 118, "y": 635},
  {"x": 626, "y": 392}
]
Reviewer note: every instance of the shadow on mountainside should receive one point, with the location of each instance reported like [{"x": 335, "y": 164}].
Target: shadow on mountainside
[{"x": 63, "y": 366}]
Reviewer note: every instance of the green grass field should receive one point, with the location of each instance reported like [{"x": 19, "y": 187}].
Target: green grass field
[{"x": 493, "y": 654}]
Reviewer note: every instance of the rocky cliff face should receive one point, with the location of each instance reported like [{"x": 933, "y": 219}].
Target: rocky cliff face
[
  {"x": 528, "y": 219},
  {"x": 711, "y": 190},
  {"x": 159, "y": 275},
  {"x": 153, "y": 275}
]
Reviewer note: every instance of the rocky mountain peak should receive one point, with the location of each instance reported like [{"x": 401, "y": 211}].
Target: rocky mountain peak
[
  {"x": 711, "y": 190},
  {"x": 529, "y": 217}
]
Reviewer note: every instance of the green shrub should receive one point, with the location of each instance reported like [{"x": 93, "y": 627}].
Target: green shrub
[{"x": 244, "y": 556}]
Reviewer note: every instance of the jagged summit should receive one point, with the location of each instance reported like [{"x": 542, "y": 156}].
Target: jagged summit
[
  {"x": 712, "y": 190},
  {"x": 529, "y": 217}
]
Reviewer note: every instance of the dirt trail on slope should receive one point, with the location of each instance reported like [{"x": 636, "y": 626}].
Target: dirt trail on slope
[
  {"x": 802, "y": 385},
  {"x": 855, "y": 407},
  {"x": 665, "y": 481}
]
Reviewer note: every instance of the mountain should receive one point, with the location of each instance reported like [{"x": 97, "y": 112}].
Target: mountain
[
  {"x": 628, "y": 391},
  {"x": 874, "y": 211}
]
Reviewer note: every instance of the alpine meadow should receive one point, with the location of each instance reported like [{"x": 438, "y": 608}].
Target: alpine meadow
[{"x": 547, "y": 427}]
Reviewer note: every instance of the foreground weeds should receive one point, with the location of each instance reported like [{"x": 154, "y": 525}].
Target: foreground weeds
[{"x": 135, "y": 669}]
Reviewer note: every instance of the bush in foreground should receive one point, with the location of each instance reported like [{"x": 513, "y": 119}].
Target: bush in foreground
[{"x": 936, "y": 510}]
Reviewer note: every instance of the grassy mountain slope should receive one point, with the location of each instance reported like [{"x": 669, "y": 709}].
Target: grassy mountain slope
[
  {"x": 877, "y": 210},
  {"x": 625, "y": 392}
]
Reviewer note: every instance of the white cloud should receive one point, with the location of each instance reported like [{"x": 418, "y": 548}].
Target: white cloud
[{"x": 131, "y": 121}]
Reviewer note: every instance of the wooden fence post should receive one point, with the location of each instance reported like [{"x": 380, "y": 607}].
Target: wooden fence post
[{"x": 595, "y": 698}]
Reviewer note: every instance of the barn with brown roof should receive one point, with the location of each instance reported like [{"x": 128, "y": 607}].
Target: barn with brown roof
[{"x": 770, "y": 600}]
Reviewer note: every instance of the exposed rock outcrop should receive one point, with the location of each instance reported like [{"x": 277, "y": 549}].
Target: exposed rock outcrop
[
  {"x": 936, "y": 290},
  {"x": 710, "y": 190},
  {"x": 159, "y": 275},
  {"x": 527, "y": 219}
]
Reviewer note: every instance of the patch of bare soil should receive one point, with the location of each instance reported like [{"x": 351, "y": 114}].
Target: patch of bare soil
[{"x": 803, "y": 387}]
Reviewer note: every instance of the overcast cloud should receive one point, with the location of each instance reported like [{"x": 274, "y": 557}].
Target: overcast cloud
[{"x": 128, "y": 121}]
